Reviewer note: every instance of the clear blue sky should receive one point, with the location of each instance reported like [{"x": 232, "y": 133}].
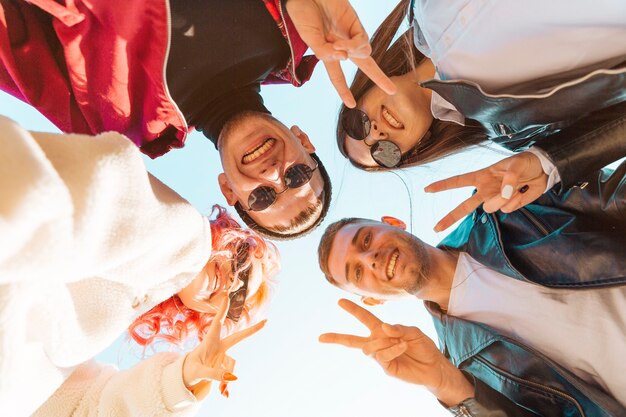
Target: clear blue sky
[{"x": 283, "y": 371}]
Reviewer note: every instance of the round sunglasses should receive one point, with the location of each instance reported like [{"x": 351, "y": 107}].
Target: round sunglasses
[
  {"x": 357, "y": 125},
  {"x": 238, "y": 297},
  {"x": 294, "y": 177}
]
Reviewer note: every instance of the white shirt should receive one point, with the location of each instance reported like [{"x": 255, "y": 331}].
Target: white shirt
[
  {"x": 583, "y": 330},
  {"x": 500, "y": 43}
]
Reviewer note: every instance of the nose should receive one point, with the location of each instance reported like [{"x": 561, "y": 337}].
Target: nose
[
  {"x": 371, "y": 259},
  {"x": 376, "y": 133},
  {"x": 271, "y": 172}
]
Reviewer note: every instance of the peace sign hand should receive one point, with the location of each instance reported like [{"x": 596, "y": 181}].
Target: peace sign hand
[
  {"x": 405, "y": 353},
  {"x": 209, "y": 361},
  {"x": 333, "y": 31},
  {"x": 506, "y": 185}
]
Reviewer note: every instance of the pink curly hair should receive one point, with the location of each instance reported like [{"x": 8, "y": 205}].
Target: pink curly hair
[{"x": 173, "y": 322}]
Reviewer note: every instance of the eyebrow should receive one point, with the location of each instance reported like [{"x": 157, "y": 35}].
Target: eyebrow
[{"x": 355, "y": 239}]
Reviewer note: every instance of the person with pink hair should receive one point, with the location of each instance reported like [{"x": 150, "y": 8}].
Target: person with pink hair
[{"x": 92, "y": 246}]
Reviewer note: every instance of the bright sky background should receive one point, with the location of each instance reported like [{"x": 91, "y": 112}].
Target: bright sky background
[{"x": 283, "y": 371}]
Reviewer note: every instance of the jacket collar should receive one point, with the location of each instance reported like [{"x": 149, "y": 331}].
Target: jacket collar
[
  {"x": 459, "y": 339},
  {"x": 479, "y": 235}
]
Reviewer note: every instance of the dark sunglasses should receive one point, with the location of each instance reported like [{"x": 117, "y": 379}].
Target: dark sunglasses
[
  {"x": 295, "y": 177},
  {"x": 357, "y": 125},
  {"x": 238, "y": 297}
]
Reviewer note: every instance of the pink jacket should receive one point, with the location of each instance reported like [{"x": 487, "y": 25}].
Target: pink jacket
[{"x": 100, "y": 66}]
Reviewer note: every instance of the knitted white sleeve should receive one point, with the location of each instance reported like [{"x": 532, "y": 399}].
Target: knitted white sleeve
[{"x": 152, "y": 388}]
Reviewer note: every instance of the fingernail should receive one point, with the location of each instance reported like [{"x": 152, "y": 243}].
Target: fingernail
[
  {"x": 524, "y": 188},
  {"x": 229, "y": 377},
  {"x": 225, "y": 393},
  {"x": 507, "y": 192}
]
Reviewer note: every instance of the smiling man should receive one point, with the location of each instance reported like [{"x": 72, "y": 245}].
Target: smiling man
[
  {"x": 272, "y": 176},
  {"x": 528, "y": 306}
]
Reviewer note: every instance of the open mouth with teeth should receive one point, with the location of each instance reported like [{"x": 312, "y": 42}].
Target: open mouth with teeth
[
  {"x": 391, "y": 265},
  {"x": 260, "y": 150},
  {"x": 389, "y": 118}
]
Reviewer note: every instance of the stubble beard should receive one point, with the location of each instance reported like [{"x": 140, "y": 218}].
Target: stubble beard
[{"x": 419, "y": 277}]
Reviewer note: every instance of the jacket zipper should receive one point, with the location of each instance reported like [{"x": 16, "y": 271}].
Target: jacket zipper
[
  {"x": 534, "y": 221},
  {"x": 577, "y": 81},
  {"x": 293, "y": 57},
  {"x": 167, "y": 56},
  {"x": 532, "y": 384}
]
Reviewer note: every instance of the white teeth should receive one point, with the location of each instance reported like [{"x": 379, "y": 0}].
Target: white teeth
[
  {"x": 258, "y": 151},
  {"x": 391, "y": 266},
  {"x": 391, "y": 120}
]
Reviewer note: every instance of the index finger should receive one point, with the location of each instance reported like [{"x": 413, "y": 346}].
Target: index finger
[
  {"x": 373, "y": 71},
  {"x": 347, "y": 340},
  {"x": 235, "y": 338},
  {"x": 462, "y": 210},
  {"x": 458, "y": 181},
  {"x": 361, "y": 314},
  {"x": 335, "y": 73}
]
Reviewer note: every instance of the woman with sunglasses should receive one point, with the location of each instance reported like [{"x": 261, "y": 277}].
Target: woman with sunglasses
[
  {"x": 515, "y": 74},
  {"x": 93, "y": 246}
]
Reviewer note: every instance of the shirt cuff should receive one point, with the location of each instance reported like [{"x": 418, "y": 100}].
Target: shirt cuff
[
  {"x": 548, "y": 167},
  {"x": 176, "y": 396}
]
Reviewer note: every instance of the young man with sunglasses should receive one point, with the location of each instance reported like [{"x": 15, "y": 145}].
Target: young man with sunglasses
[
  {"x": 528, "y": 306},
  {"x": 193, "y": 64}
]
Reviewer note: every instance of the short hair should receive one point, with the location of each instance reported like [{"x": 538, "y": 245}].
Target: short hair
[
  {"x": 305, "y": 222},
  {"x": 323, "y": 250}
]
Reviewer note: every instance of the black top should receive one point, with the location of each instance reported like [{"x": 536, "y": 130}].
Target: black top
[{"x": 220, "y": 53}]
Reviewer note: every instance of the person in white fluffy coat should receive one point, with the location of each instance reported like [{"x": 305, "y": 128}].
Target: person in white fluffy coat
[{"x": 91, "y": 243}]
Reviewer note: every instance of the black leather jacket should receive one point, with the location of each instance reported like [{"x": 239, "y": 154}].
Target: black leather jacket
[
  {"x": 576, "y": 239},
  {"x": 531, "y": 113}
]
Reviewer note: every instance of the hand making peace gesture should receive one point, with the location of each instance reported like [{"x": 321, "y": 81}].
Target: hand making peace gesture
[
  {"x": 506, "y": 185},
  {"x": 405, "y": 353},
  {"x": 209, "y": 361},
  {"x": 333, "y": 31}
]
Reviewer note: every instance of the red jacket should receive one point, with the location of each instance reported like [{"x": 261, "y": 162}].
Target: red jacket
[{"x": 92, "y": 66}]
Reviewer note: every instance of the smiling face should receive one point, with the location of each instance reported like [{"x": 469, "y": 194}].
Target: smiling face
[
  {"x": 256, "y": 150},
  {"x": 209, "y": 288},
  {"x": 375, "y": 259},
  {"x": 403, "y": 118}
]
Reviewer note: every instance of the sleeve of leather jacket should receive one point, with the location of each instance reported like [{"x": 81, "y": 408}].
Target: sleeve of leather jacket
[
  {"x": 602, "y": 196},
  {"x": 588, "y": 145},
  {"x": 487, "y": 402}
]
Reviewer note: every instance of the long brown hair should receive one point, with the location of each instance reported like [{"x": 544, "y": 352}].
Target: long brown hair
[{"x": 443, "y": 138}]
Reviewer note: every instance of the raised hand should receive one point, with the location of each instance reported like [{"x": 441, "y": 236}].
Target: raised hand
[
  {"x": 506, "y": 185},
  {"x": 333, "y": 31},
  {"x": 405, "y": 353},
  {"x": 209, "y": 361}
]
